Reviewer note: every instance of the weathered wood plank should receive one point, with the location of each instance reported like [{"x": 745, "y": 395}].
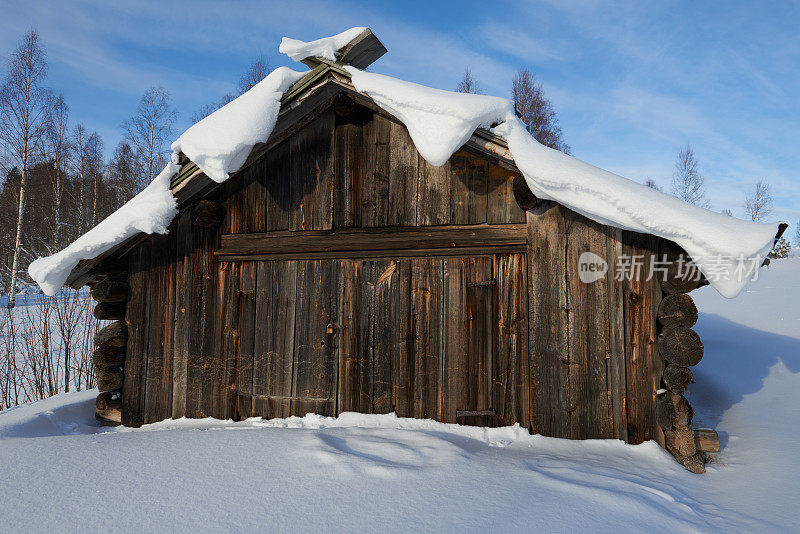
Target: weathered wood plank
[
  {"x": 314, "y": 347},
  {"x": 616, "y": 362},
  {"x": 277, "y": 172},
  {"x": 254, "y": 197},
  {"x": 501, "y": 207},
  {"x": 596, "y": 318},
  {"x": 434, "y": 194},
  {"x": 362, "y": 240},
  {"x": 348, "y": 169},
  {"x": 348, "y": 398},
  {"x": 427, "y": 290},
  {"x": 548, "y": 320},
  {"x": 247, "y": 321},
  {"x": 154, "y": 408},
  {"x": 468, "y": 188},
  {"x": 375, "y": 186},
  {"x": 640, "y": 338},
  {"x": 510, "y": 374},
  {"x": 311, "y": 175},
  {"x": 274, "y": 337},
  {"x": 226, "y": 326},
  {"x": 384, "y": 333},
  {"x": 402, "y": 365},
  {"x": 137, "y": 321},
  {"x": 180, "y": 338},
  {"x": 404, "y": 177},
  {"x": 202, "y": 336}
]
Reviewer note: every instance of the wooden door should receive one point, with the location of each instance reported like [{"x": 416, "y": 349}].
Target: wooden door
[{"x": 439, "y": 337}]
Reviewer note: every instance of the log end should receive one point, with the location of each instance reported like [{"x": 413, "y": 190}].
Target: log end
[{"x": 706, "y": 440}]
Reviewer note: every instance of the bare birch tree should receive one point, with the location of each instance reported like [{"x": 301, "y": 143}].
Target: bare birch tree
[
  {"x": 94, "y": 170},
  {"x": 758, "y": 203},
  {"x": 469, "y": 84},
  {"x": 687, "y": 182},
  {"x": 58, "y": 149},
  {"x": 24, "y": 120},
  {"x": 727, "y": 212},
  {"x": 256, "y": 72},
  {"x": 121, "y": 171},
  {"x": 149, "y": 131},
  {"x": 79, "y": 165},
  {"x": 536, "y": 111}
]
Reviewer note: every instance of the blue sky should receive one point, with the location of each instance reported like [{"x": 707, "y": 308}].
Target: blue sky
[{"x": 632, "y": 82}]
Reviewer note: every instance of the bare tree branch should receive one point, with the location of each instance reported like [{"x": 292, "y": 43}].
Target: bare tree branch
[
  {"x": 758, "y": 204},
  {"x": 536, "y": 111},
  {"x": 687, "y": 182}
]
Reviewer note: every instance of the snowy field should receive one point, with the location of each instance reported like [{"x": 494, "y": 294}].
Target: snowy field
[{"x": 367, "y": 473}]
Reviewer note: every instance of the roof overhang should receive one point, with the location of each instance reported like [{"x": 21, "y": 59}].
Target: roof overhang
[{"x": 303, "y": 102}]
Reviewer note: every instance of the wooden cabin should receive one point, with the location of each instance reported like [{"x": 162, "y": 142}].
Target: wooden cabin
[{"x": 338, "y": 271}]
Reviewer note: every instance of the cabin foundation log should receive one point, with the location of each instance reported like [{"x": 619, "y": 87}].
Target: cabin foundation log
[
  {"x": 108, "y": 408},
  {"x": 108, "y": 379},
  {"x": 680, "y": 346},
  {"x": 677, "y": 310},
  {"x": 706, "y": 440},
  {"x": 105, "y": 357},
  {"x": 676, "y": 378},
  {"x": 109, "y": 311},
  {"x": 110, "y": 289}
]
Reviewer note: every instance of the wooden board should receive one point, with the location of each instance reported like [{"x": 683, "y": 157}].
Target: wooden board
[
  {"x": 277, "y": 171},
  {"x": 510, "y": 371},
  {"x": 426, "y": 330},
  {"x": 154, "y": 408},
  {"x": 273, "y": 344},
  {"x": 548, "y": 320},
  {"x": 243, "y": 389},
  {"x": 404, "y": 177},
  {"x": 137, "y": 320},
  {"x": 314, "y": 382},
  {"x": 640, "y": 337},
  {"x": 202, "y": 336},
  {"x": 468, "y": 185},
  {"x": 348, "y": 169},
  {"x": 180, "y": 335},
  {"x": 360, "y": 241},
  {"x": 375, "y": 187},
  {"x": 501, "y": 207},
  {"x": 311, "y": 175},
  {"x": 468, "y": 354}
]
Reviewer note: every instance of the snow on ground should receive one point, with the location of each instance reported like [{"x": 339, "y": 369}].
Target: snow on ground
[{"x": 364, "y": 473}]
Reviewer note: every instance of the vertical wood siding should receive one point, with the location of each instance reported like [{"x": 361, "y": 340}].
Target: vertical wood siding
[{"x": 515, "y": 336}]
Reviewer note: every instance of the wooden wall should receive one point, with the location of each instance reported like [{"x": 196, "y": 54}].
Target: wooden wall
[{"x": 509, "y": 333}]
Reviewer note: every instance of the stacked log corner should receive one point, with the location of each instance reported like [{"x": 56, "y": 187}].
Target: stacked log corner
[
  {"x": 110, "y": 290},
  {"x": 681, "y": 348}
]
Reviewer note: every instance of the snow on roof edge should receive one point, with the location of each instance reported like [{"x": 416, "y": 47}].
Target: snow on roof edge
[
  {"x": 325, "y": 48},
  {"x": 219, "y": 145},
  {"x": 439, "y": 123},
  {"x": 728, "y": 251}
]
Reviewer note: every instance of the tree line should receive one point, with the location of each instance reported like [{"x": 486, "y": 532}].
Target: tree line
[{"x": 57, "y": 183}]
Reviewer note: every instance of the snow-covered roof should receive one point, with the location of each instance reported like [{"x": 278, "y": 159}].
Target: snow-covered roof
[{"x": 439, "y": 123}]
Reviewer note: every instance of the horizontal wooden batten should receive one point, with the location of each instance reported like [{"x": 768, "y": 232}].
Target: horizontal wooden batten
[{"x": 375, "y": 242}]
